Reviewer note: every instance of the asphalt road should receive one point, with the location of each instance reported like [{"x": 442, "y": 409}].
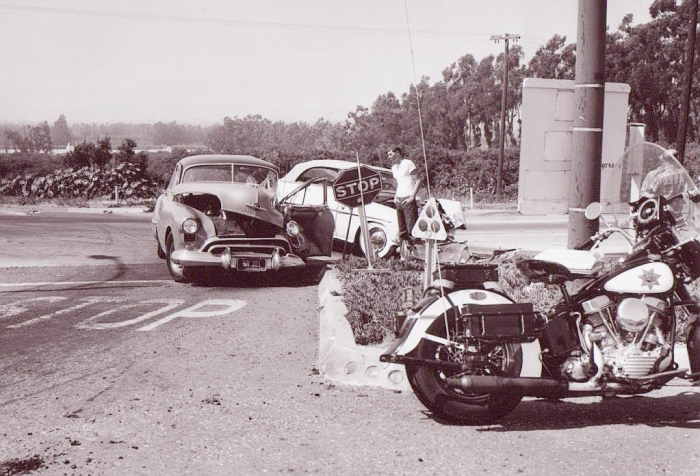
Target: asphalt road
[{"x": 108, "y": 367}]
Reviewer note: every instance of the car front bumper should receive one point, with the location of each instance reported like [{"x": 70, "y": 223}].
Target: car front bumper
[{"x": 246, "y": 262}]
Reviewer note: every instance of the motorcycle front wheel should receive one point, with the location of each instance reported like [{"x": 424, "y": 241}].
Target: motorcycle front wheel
[{"x": 429, "y": 383}]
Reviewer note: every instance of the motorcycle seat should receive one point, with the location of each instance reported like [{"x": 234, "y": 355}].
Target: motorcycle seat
[{"x": 547, "y": 272}]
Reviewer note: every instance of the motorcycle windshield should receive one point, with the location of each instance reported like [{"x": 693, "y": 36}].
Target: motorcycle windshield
[{"x": 649, "y": 170}]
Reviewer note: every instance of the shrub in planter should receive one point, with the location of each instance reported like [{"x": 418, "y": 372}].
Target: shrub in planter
[{"x": 372, "y": 297}]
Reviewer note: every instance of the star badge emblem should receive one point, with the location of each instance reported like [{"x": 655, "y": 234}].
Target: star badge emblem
[{"x": 649, "y": 278}]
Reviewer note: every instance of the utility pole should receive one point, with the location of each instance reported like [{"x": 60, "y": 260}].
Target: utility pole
[
  {"x": 589, "y": 99},
  {"x": 504, "y": 97},
  {"x": 687, "y": 80}
]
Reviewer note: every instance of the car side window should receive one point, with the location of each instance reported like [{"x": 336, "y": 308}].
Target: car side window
[{"x": 319, "y": 172}]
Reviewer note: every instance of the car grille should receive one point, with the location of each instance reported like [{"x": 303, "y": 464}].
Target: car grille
[{"x": 262, "y": 246}]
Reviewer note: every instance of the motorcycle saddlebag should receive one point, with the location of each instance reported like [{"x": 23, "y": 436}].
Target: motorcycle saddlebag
[
  {"x": 469, "y": 275},
  {"x": 503, "y": 322}
]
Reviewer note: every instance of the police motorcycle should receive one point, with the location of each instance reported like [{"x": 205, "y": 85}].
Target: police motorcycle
[{"x": 471, "y": 353}]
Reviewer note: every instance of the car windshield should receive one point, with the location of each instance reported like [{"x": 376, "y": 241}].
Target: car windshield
[
  {"x": 243, "y": 173},
  {"x": 388, "y": 182},
  {"x": 255, "y": 175}
]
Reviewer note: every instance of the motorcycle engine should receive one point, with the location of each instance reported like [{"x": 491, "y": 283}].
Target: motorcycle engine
[{"x": 632, "y": 334}]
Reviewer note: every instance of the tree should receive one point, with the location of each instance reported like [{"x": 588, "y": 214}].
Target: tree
[
  {"x": 18, "y": 141},
  {"x": 127, "y": 155},
  {"x": 40, "y": 137},
  {"x": 554, "y": 60},
  {"x": 35, "y": 139},
  {"x": 459, "y": 79},
  {"x": 651, "y": 59},
  {"x": 60, "y": 133},
  {"x": 88, "y": 154},
  {"x": 238, "y": 136},
  {"x": 169, "y": 134},
  {"x": 126, "y": 152}
]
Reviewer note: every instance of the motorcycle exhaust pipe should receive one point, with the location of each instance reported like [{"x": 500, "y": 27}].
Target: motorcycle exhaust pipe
[{"x": 526, "y": 386}]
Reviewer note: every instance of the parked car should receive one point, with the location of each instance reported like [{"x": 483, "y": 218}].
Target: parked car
[
  {"x": 222, "y": 211},
  {"x": 381, "y": 213}
]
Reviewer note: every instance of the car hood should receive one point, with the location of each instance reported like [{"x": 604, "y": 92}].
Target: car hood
[{"x": 249, "y": 200}]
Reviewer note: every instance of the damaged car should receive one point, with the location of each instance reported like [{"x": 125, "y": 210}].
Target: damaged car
[
  {"x": 381, "y": 213},
  {"x": 222, "y": 211}
]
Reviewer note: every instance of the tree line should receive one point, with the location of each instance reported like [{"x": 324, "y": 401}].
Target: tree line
[{"x": 460, "y": 113}]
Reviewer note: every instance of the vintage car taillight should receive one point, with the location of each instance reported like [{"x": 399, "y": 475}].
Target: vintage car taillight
[{"x": 190, "y": 226}]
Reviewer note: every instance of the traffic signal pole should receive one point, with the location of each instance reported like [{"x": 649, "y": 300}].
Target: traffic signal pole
[{"x": 589, "y": 96}]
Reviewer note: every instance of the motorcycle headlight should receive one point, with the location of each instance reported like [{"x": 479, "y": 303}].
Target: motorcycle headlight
[
  {"x": 292, "y": 228},
  {"x": 190, "y": 226}
]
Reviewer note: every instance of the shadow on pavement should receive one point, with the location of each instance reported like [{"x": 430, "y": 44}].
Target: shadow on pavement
[
  {"x": 214, "y": 277},
  {"x": 677, "y": 411}
]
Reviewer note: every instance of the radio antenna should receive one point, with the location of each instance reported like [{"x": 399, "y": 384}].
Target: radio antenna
[{"x": 420, "y": 116}]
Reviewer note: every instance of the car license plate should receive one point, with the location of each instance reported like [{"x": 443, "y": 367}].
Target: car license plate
[{"x": 251, "y": 264}]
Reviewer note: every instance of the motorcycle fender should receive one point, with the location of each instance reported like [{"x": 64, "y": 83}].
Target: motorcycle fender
[{"x": 417, "y": 325}]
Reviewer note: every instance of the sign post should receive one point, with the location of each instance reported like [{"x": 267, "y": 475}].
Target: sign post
[
  {"x": 364, "y": 231},
  {"x": 354, "y": 188},
  {"x": 430, "y": 228}
]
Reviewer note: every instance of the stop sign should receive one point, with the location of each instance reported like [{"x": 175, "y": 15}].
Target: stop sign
[{"x": 355, "y": 185}]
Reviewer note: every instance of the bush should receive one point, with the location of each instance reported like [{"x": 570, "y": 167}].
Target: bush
[
  {"x": 88, "y": 154},
  {"x": 85, "y": 182},
  {"x": 372, "y": 297}
]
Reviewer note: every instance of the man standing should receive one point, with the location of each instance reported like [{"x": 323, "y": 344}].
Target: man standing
[{"x": 407, "y": 184}]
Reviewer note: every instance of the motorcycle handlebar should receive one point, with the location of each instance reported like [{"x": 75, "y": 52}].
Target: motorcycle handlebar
[
  {"x": 598, "y": 237},
  {"x": 586, "y": 245}
]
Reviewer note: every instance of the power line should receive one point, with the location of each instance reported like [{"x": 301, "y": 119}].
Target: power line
[{"x": 157, "y": 17}]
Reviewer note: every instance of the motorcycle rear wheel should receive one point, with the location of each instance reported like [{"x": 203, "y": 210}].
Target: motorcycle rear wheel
[{"x": 430, "y": 383}]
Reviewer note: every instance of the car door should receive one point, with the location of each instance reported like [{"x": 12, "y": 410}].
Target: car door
[{"x": 307, "y": 205}]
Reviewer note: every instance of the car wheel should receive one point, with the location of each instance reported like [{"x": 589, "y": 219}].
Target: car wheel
[
  {"x": 379, "y": 240},
  {"x": 178, "y": 272}
]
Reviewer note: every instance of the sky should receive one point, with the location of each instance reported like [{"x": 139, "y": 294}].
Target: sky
[{"x": 198, "y": 61}]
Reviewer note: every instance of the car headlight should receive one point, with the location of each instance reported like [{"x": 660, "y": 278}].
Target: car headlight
[
  {"x": 292, "y": 228},
  {"x": 378, "y": 239},
  {"x": 190, "y": 226}
]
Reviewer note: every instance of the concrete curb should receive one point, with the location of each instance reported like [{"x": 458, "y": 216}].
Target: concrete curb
[
  {"x": 340, "y": 359},
  {"x": 25, "y": 210}
]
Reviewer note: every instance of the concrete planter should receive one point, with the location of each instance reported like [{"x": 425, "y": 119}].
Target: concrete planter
[{"x": 339, "y": 358}]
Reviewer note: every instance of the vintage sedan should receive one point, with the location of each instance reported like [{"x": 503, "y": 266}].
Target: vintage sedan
[
  {"x": 381, "y": 213},
  {"x": 222, "y": 211}
]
